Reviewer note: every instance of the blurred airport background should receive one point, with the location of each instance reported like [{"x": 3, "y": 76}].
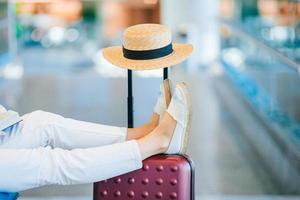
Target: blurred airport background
[{"x": 243, "y": 78}]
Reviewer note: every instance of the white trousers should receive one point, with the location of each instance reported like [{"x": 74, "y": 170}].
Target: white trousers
[{"x": 47, "y": 149}]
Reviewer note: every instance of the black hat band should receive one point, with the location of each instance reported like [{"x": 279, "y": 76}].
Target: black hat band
[{"x": 147, "y": 54}]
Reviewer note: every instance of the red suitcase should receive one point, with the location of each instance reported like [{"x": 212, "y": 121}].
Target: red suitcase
[{"x": 162, "y": 177}]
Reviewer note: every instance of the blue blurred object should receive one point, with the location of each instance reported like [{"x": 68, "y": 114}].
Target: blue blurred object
[
  {"x": 263, "y": 102},
  {"x": 8, "y": 196},
  {"x": 4, "y": 59}
]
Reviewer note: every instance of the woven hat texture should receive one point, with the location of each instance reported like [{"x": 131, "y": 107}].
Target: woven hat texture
[{"x": 145, "y": 37}]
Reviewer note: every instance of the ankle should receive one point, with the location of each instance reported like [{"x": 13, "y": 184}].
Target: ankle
[
  {"x": 168, "y": 124},
  {"x": 154, "y": 120},
  {"x": 162, "y": 139},
  {"x": 152, "y": 144},
  {"x": 151, "y": 125},
  {"x": 164, "y": 142}
]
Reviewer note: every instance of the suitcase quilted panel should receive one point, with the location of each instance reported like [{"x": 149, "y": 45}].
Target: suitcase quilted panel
[{"x": 162, "y": 177}]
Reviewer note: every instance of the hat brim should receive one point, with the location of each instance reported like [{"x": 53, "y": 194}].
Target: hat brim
[{"x": 114, "y": 55}]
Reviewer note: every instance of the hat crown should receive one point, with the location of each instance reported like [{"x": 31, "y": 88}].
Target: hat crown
[{"x": 146, "y": 37}]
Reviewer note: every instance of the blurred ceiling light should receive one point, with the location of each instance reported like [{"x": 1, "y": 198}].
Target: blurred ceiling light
[
  {"x": 72, "y": 35},
  {"x": 57, "y": 34},
  {"x": 280, "y": 33},
  {"x": 150, "y": 1},
  {"x": 13, "y": 71},
  {"x": 235, "y": 57}
]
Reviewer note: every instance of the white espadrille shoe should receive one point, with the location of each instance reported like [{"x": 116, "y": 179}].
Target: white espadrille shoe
[
  {"x": 164, "y": 98},
  {"x": 180, "y": 110}
]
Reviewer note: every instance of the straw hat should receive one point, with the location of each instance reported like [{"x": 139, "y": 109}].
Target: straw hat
[{"x": 147, "y": 46}]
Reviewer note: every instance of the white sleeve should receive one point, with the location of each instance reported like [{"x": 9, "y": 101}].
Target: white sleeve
[{"x": 2, "y": 109}]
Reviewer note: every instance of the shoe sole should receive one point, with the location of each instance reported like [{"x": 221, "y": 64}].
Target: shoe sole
[{"x": 183, "y": 88}]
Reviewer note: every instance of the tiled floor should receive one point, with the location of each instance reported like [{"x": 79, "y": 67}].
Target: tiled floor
[{"x": 222, "y": 169}]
